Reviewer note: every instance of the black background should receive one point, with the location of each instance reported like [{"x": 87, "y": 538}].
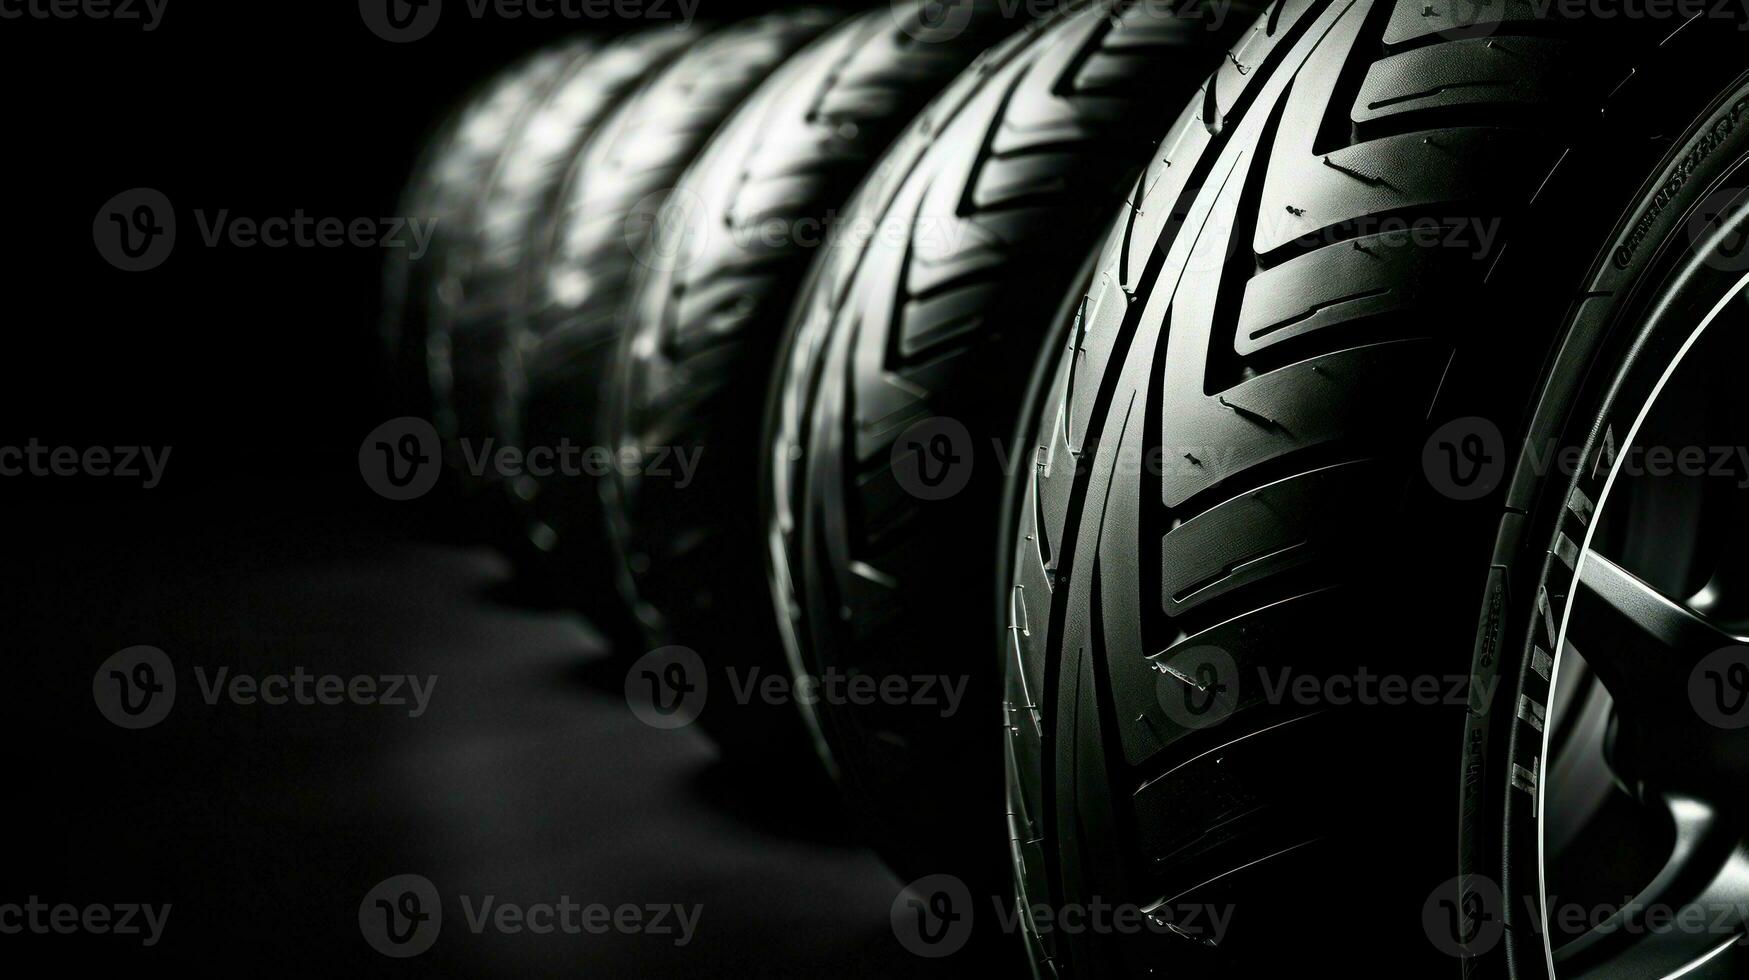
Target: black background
[
  {"x": 260, "y": 369},
  {"x": 254, "y": 363}
]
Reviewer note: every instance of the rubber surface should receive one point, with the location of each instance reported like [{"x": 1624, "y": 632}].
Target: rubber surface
[
  {"x": 487, "y": 289},
  {"x": 1230, "y": 459},
  {"x": 622, "y": 178},
  {"x": 445, "y": 188},
  {"x": 976, "y": 225},
  {"x": 692, "y": 371}
]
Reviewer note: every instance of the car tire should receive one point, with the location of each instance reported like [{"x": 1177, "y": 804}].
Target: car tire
[
  {"x": 560, "y": 349},
  {"x": 485, "y": 284},
  {"x": 692, "y": 370},
  {"x": 1385, "y": 238},
  {"x": 924, "y": 329},
  {"x": 445, "y": 189}
]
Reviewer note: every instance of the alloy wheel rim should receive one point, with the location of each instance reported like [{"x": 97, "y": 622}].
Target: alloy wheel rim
[{"x": 1655, "y": 616}]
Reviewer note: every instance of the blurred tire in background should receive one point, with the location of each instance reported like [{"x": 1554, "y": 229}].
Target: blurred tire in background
[
  {"x": 538, "y": 191},
  {"x": 576, "y": 308},
  {"x": 722, "y": 272},
  {"x": 484, "y": 288},
  {"x": 446, "y": 188}
]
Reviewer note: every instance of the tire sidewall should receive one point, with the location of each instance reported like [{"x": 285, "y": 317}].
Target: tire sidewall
[{"x": 1610, "y": 355}]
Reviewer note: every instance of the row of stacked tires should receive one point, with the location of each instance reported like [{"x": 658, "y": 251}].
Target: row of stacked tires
[{"x": 918, "y": 286}]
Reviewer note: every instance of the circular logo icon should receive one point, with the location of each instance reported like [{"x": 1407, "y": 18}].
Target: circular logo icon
[
  {"x": 1463, "y": 916},
  {"x": 933, "y": 21},
  {"x": 400, "y": 21},
  {"x": 401, "y": 459},
  {"x": 1465, "y": 459},
  {"x": 135, "y": 230},
  {"x": 932, "y": 460},
  {"x": 1730, "y": 251},
  {"x": 135, "y": 688},
  {"x": 401, "y": 916},
  {"x": 1470, "y": 19},
  {"x": 665, "y": 230},
  {"x": 1198, "y": 687},
  {"x": 932, "y": 917},
  {"x": 666, "y": 687},
  {"x": 1719, "y": 688}
]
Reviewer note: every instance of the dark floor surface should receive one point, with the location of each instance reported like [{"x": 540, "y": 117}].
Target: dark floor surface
[{"x": 527, "y": 778}]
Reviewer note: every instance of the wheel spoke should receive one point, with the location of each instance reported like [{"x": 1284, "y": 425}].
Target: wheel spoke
[
  {"x": 1689, "y": 922},
  {"x": 1641, "y": 643}
]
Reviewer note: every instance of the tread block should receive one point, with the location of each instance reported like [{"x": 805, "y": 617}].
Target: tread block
[
  {"x": 1261, "y": 533},
  {"x": 1448, "y": 173},
  {"x": 1417, "y": 23},
  {"x": 1368, "y": 396},
  {"x": 1336, "y": 284},
  {"x": 1521, "y": 71}
]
